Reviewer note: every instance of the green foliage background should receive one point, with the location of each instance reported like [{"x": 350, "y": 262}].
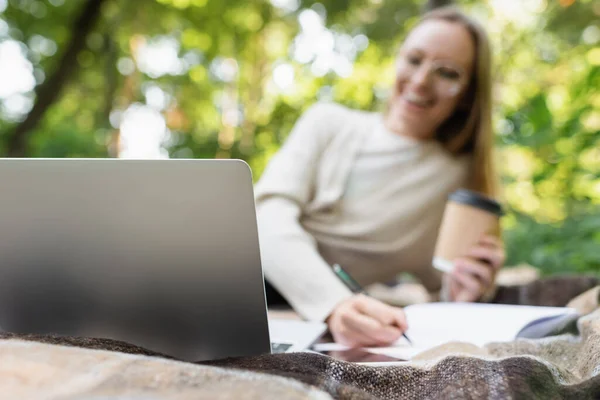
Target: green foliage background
[{"x": 547, "y": 103}]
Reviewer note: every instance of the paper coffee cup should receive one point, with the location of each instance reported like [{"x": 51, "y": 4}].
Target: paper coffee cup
[{"x": 467, "y": 217}]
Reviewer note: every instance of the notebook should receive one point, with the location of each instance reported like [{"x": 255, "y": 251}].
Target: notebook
[{"x": 433, "y": 324}]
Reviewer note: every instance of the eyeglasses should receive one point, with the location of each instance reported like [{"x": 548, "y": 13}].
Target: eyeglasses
[{"x": 447, "y": 79}]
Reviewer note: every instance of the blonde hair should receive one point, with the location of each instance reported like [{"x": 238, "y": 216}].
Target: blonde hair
[{"x": 469, "y": 129}]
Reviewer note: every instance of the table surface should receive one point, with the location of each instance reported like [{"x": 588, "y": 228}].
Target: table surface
[{"x": 283, "y": 314}]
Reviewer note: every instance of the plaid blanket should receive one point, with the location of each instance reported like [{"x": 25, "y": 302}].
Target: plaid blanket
[{"x": 564, "y": 366}]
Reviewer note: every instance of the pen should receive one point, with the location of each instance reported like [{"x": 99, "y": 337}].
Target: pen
[{"x": 354, "y": 286}]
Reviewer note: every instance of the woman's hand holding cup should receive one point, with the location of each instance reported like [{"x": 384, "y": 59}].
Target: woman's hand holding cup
[
  {"x": 468, "y": 249},
  {"x": 474, "y": 274}
]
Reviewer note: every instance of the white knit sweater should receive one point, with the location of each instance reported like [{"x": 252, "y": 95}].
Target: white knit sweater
[{"x": 343, "y": 189}]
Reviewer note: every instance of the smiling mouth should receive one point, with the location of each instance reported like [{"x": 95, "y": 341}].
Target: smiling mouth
[{"x": 416, "y": 100}]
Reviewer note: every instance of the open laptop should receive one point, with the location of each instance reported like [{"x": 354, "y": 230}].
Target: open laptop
[{"x": 162, "y": 254}]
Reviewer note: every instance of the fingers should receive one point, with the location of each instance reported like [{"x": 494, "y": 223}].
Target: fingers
[
  {"x": 471, "y": 288},
  {"x": 340, "y": 330},
  {"x": 359, "y": 321},
  {"x": 481, "y": 271},
  {"x": 494, "y": 256},
  {"x": 401, "y": 321},
  {"x": 490, "y": 249},
  {"x": 371, "y": 329},
  {"x": 383, "y": 313},
  {"x": 491, "y": 240},
  {"x": 375, "y": 309},
  {"x": 345, "y": 335},
  {"x": 474, "y": 273}
]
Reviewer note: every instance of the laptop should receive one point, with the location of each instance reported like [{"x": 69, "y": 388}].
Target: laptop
[{"x": 162, "y": 254}]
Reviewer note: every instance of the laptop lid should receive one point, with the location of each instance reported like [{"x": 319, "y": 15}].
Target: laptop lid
[{"x": 162, "y": 254}]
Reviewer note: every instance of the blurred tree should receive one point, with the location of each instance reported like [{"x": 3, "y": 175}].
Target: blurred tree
[
  {"x": 209, "y": 78},
  {"x": 47, "y": 92}
]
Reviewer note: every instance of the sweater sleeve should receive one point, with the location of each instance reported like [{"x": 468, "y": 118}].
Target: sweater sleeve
[{"x": 290, "y": 259}]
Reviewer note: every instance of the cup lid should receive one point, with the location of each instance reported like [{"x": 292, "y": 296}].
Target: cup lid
[{"x": 478, "y": 200}]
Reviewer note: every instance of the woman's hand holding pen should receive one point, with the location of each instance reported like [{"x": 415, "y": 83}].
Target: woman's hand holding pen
[{"x": 364, "y": 321}]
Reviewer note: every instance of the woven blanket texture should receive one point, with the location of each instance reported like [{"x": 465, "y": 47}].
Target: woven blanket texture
[{"x": 563, "y": 366}]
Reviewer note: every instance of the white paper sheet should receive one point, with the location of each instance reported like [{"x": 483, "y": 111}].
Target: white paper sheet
[{"x": 432, "y": 324}]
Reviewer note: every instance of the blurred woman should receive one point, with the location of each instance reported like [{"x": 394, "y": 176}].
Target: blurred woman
[{"x": 367, "y": 190}]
